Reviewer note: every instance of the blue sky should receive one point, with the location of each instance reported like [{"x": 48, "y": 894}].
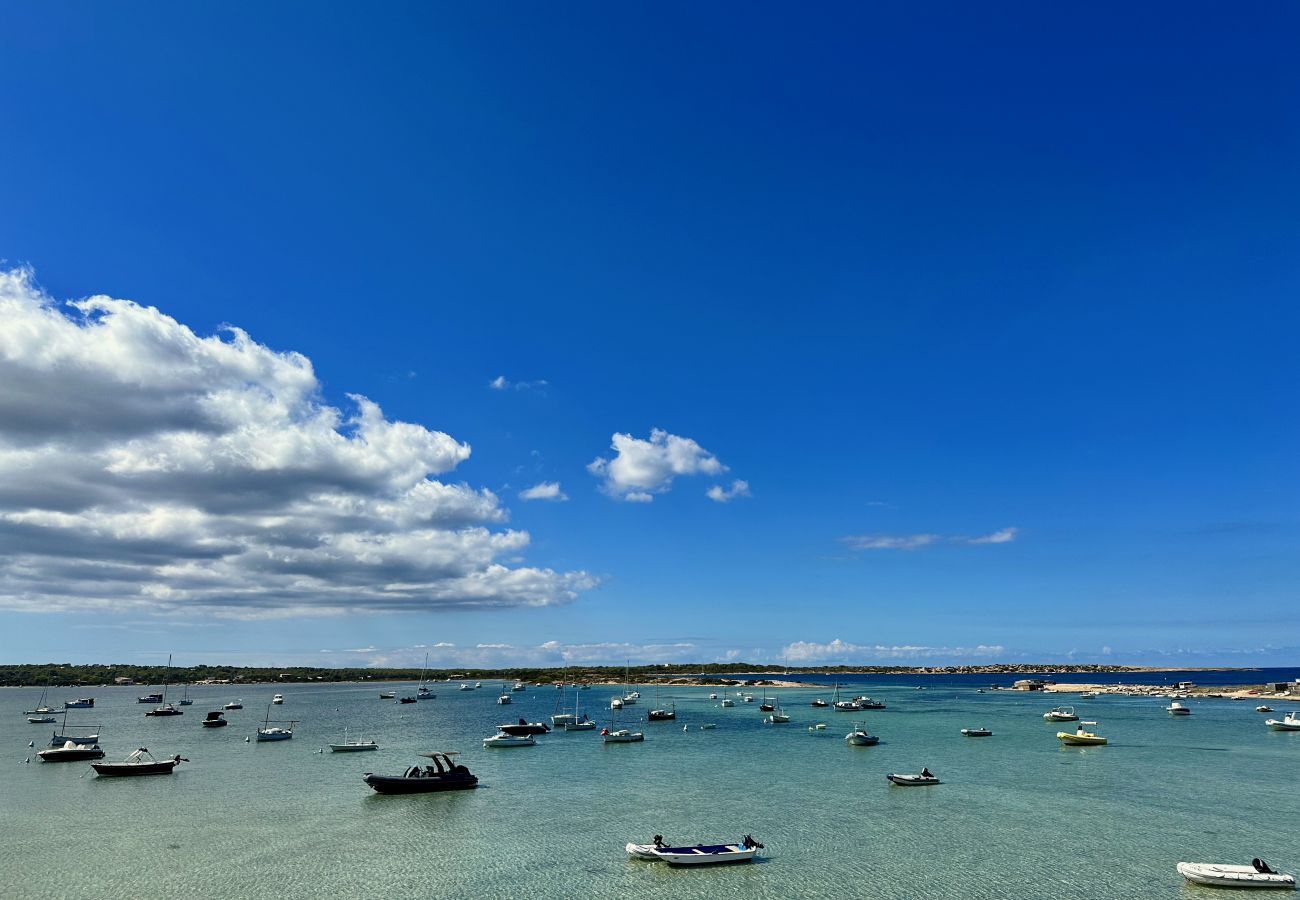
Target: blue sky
[{"x": 992, "y": 310}]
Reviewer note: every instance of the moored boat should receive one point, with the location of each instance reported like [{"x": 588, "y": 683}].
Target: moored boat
[
  {"x": 1177, "y": 709},
  {"x": 443, "y": 775},
  {"x": 278, "y": 699},
  {"x": 859, "y": 737},
  {"x": 700, "y": 854},
  {"x": 82, "y": 703},
  {"x": 71, "y": 752},
  {"x": 150, "y": 698},
  {"x": 917, "y": 780},
  {"x": 233, "y": 704},
  {"x": 351, "y": 746},
  {"x": 820, "y": 703},
  {"x": 387, "y": 695},
  {"x": 502, "y": 739},
  {"x": 139, "y": 762},
  {"x": 621, "y": 736},
  {"x": 1080, "y": 736},
  {"x": 1256, "y": 875},
  {"x": 269, "y": 732},
  {"x": 977, "y": 732},
  {"x": 215, "y": 719},
  {"x": 1061, "y": 714},
  {"x": 1288, "y": 722}
]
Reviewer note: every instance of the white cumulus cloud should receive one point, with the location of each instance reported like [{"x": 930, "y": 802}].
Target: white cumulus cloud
[
  {"x": 719, "y": 494},
  {"x": 143, "y": 466},
  {"x": 837, "y": 651},
  {"x": 640, "y": 468},
  {"x": 547, "y": 490}
]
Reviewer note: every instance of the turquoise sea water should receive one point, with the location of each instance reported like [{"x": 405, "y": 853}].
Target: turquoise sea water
[{"x": 1017, "y": 815}]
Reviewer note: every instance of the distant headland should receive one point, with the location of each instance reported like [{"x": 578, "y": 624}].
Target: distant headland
[{"x": 69, "y": 675}]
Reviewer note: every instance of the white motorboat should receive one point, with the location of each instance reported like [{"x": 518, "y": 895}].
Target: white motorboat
[
  {"x": 504, "y": 700},
  {"x": 708, "y": 726},
  {"x": 727, "y": 701},
  {"x": 616, "y": 703},
  {"x": 563, "y": 720},
  {"x": 859, "y": 737},
  {"x": 778, "y": 717},
  {"x": 465, "y": 687},
  {"x": 700, "y": 854},
  {"x": 1256, "y": 875},
  {"x": 519, "y": 686},
  {"x": 713, "y": 696},
  {"x": 1061, "y": 714},
  {"x": 478, "y": 684},
  {"x": 631, "y": 697},
  {"x": 1263, "y": 709},
  {"x": 844, "y": 705},
  {"x": 622, "y": 736},
  {"x": 233, "y": 704},
  {"x": 1288, "y": 722},
  {"x": 71, "y": 752},
  {"x": 748, "y": 698},
  {"x": 501, "y": 739},
  {"x": 351, "y": 746},
  {"x": 1088, "y": 695},
  {"x": 977, "y": 732},
  {"x": 278, "y": 699},
  {"x": 1177, "y": 709},
  {"x": 820, "y": 726}
]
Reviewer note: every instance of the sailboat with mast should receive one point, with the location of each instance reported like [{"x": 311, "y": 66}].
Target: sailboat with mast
[
  {"x": 423, "y": 692},
  {"x": 42, "y": 714},
  {"x": 166, "y": 709},
  {"x": 662, "y": 713},
  {"x": 561, "y": 718},
  {"x": 269, "y": 732}
]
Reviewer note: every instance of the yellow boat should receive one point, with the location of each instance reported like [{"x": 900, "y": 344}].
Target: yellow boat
[{"x": 1080, "y": 737}]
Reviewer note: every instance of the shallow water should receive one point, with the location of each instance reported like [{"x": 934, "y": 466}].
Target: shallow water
[{"x": 1017, "y": 814}]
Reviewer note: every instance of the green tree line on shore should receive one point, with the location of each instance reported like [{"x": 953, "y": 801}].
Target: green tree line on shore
[{"x": 66, "y": 674}]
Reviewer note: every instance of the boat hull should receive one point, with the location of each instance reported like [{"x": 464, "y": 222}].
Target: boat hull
[
  {"x": 862, "y": 740},
  {"x": 400, "y": 784},
  {"x": 354, "y": 748},
  {"x": 108, "y": 770},
  {"x": 1235, "y": 876},
  {"x": 912, "y": 780},
  {"x": 70, "y": 754},
  {"x": 704, "y": 855},
  {"x": 1080, "y": 740},
  {"x": 264, "y": 736}
]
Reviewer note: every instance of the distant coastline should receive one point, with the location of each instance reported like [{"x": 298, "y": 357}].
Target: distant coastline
[{"x": 68, "y": 675}]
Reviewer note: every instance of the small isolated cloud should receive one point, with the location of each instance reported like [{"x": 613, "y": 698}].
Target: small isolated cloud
[
  {"x": 718, "y": 494},
  {"x": 547, "y": 490},
  {"x": 501, "y": 383},
  {"x": 145, "y": 467},
  {"x": 1004, "y": 536},
  {"x": 837, "y": 651},
  {"x": 640, "y": 468},
  {"x": 889, "y": 541},
  {"x": 917, "y": 541}
]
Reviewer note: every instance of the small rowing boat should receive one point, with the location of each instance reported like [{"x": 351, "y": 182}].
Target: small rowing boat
[{"x": 699, "y": 855}]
